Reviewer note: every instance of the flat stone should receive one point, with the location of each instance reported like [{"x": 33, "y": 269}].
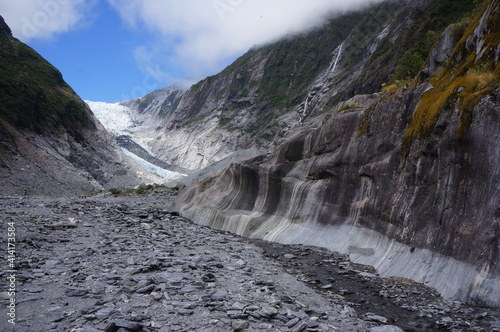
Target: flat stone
[
  {"x": 157, "y": 296},
  {"x": 185, "y": 312},
  {"x": 300, "y": 327},
  {"x": 76, "y": 292},
  {"x": 376, "y": 318},
  {"x": 312, "y": 324},
  {"x": 238, "y": 306},
  {"x": 268, "y": 311},
  {"x": 292, "y": 322},
  {"x": 386, "y": 328},
  {"x": 34, "y": 290},
  {"x": 239, "y": 325},
  {"x": 146, "y": 289},
  {"x": 105, "y": 313},
  {"x": 131, "y": 326},
  {"x": 219, "y": 296}
]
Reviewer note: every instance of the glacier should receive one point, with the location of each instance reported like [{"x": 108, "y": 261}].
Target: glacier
[{"x": 115, "y": 118}]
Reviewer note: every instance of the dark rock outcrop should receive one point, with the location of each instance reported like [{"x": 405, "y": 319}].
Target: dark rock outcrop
[
  {"x": 402, "y": 182},
  {"x": 4, "y": 28}
]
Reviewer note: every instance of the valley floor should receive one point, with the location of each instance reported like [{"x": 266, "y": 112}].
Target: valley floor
[{"x": 130, "y": 264}]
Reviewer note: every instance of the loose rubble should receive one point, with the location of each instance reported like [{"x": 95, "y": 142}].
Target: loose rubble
[{"x": 119, "y": 264}]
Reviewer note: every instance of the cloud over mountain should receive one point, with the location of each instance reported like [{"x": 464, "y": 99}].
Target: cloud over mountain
[
  {"x": 183, "y": 40},
  {"x": 200, "y": 36}
]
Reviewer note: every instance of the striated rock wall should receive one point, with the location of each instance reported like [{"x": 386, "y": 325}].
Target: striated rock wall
[
  {"x": 430, "y": 214},
  {"x": 406, "y": 182}
]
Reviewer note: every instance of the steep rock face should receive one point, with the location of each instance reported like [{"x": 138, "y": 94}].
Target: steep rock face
[
  {"x": 405, "y": 185},
  {"x": 50, "y": 142},
  {"x": 431, "y": 216},
  {"x": 4, "y": 28},
  {"x": 158, "y": 104},
  {"x": 255, "y": 101}
]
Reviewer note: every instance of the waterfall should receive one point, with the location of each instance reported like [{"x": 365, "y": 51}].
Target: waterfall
[{"x": 338, "y": 57}]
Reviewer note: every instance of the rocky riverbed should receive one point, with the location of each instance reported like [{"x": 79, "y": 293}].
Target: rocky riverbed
[{"x": 129, "y": 263}]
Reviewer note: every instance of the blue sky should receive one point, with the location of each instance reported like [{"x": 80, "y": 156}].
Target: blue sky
[
  {"x": 112, "y": 50},
  {"x": 98, "y": 60}
]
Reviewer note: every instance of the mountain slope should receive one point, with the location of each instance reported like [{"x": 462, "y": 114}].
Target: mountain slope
[
  {"x": 406, "y": 181},
  {"x": 50, "y": 142},
  {"x": 255, "y": 101}
]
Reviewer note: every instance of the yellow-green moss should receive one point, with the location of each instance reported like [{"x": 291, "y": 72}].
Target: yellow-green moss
[
  {"x": 467, "y": 89},
  {"x": 394, "y": 87},
  {"x": 465, "y": 80},
  {"x": 343, "y": 107}
]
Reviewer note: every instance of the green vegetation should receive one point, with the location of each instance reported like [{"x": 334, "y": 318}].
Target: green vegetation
[
  {"x": 145, "y": 102},
  {"x": 293, "y": 64},
  {"x": 412, "y": 61},
  {"x": 171, "y": 103},
  {"x": 33, "y": 93},
  {"x": 197, "y": 119},
  {"x": 343, "y": 107},
  {"x": 32, "y": 221},
  {"x": 116, "y": 191},
  {"x": 425, "y": 32},
  {"x": 143, "y": 189}
]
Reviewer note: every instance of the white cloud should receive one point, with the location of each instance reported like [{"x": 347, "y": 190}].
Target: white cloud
[
  {"x": 44, "y": 19},
  {"x": 201, "y": 35}
]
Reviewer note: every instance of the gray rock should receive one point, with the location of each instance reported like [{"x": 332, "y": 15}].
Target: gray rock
[
  {"x": 386, "y": 328},
  {"x": 267, "y": 298},
  {"x": 76, "y": 292},
  {"x": 105, "y": 313},
  {"x": 130, "y": 326},
  {"x": 239, "y": 325},
  {"x": 185, "y": 312},
  {"x": 146, "y": 289},
  {"x": 268, "y": 311},
  {"x": 376, "y": 318},
  {"x": 219, "y": 296},
  {"x": 299, "y": 327},
  {"x": 292, "y": 322},
  {"x": 35, "y": 290}
]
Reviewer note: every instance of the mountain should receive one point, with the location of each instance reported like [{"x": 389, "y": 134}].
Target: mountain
[
  {"x": 255, "y": 101},
  {"x": 375, "y": 135},
  {"x": 132, "y": 130},
  {"x": 404, "y": 179},
  {"x": 50, "y": 142}
]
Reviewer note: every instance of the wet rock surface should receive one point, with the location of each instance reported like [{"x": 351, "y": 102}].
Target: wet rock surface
[
  {"x": 402, "y": 302},
  {"x": 131, "y": 264}
]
